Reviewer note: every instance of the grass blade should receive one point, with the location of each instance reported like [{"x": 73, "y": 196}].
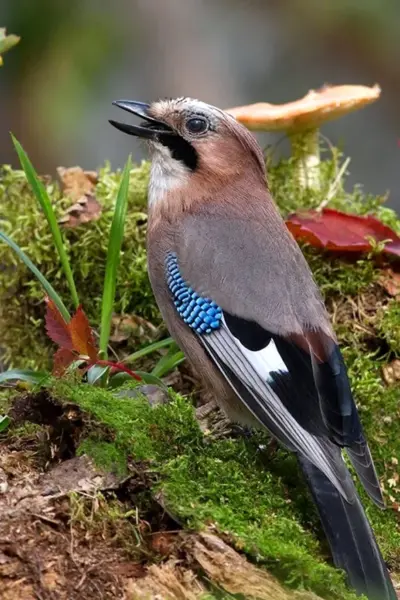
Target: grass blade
[
  {"x": 168, "y": 363},
  {"x": 152, "y": 379},
  {"x": 4, "y": 422},
  {"x": 46, "y": 285},
  {"x": 150, "y": 349},
  {"x": 120, "y": 378},
  {"x": 26, "y": 375},
  {"x": 96, "y": 375},
  {"x": 113, "y": 255},
  {"x": 43, "y": 198}
]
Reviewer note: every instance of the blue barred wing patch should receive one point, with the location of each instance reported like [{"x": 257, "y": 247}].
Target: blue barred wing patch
[{"x": 201, "y": 314}]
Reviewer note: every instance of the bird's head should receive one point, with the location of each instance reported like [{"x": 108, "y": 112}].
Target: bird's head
[{"x": 192, "y": 142}]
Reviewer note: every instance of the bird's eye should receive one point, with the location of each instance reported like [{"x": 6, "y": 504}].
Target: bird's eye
[{"x": 196, "y": 125}]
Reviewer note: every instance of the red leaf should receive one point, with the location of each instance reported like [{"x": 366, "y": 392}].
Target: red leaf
[
  {"x": 335, "y": 230},
  {"x": 62, "y": 359},
  {"x": 82, "y": 335},
  {"x": 57, "y": 329}
]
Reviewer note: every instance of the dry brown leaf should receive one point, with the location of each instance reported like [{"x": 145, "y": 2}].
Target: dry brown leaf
[
  {"x": 130, "y": 570},
  {"x": 163, "y": 542},
  {"x": 51, "y": 581},
  {"x": 391, "y": 372},
  {"x": 79, "y": 185},
  {"x": 124, "y": 327},
  {"x": 85, "y": 210},
  {"x": 390, "y": 280},
  {"x": 76, "y": 182}
]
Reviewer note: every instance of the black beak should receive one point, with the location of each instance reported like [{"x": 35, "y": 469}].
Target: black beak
[{"x": 149, "y": 129}]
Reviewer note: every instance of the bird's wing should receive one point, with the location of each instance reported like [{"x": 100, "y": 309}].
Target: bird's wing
[{"x": 295, "y": 384}]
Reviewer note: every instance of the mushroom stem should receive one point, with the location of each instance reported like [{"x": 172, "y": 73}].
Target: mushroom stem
[{"x": 306, "y": 155}]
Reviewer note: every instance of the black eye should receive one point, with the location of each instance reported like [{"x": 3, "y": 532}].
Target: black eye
[{"x": 196, "y": 125}]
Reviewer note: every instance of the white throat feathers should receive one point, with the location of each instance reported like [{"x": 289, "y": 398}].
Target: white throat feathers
[{"x": 167, "y": 173}]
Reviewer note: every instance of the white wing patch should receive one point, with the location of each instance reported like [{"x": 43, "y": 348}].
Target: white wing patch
[
  {"x": 254, "y": 371},
  {"x": 265, "y": 361}
]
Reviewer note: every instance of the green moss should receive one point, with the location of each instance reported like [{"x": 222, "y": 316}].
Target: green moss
[
  {"x": 106, "y": 455},
  {"x": 227, "y": 486},
  {"x": 21, "y": 297},
  {"x": 5, "y": 401},
  {"x": 340, "y": 276},
  {"x": 228, "y": 483},
  {"x": 147, "y": 433},
  {"x": 389, "y": 325}
]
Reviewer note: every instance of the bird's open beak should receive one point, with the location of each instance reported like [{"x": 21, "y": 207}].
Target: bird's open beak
[{"x": 149, "y": 129}]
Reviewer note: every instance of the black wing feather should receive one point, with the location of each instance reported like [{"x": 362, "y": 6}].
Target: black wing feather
[
  {"x": 315, "y": 393},
  {"x": 261, "y": 400}
]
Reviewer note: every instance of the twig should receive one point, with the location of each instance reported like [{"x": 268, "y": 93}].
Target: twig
[
  {"x": 335, "y": 184},
  {"x": 46, "y": 519}
]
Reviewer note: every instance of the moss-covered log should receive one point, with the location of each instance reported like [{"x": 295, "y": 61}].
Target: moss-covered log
[
  {"x": 244, "y": 488},
  {"x": 238, "y": 487}
]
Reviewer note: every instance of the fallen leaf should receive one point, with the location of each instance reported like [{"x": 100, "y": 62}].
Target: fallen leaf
[
  {"x": 391, "y": 372},
  {"x": 57, "y": 329},
  {"x": 390, "y": 281},
  {"x": 51, "y": 580},
  {"x": 125, "y": 327},
  {"x": 82, "y": 335},
  {"x": 163, "y": 542},
  {"x": 343, "y": 232},
  {"x": 62, "y": 360},
  {"x": 79, "y": 185},
  {"x": 130, "y": 570},
  {"x": 85, "y": 210},
  {"x": 76, "y": 182}
]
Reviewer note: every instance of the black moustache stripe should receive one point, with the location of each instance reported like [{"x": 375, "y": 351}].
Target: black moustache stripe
[{"x": 180, "y": 149}]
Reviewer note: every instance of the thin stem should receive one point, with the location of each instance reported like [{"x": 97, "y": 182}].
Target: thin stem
[
  {"x": 335, "y": 185},
  {"x": 117, "y": 366}
]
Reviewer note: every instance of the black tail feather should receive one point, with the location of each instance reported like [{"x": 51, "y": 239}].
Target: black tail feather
[{"x": 353, "y": 545}]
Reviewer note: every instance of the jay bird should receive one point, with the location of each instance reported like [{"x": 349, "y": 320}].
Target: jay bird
[{"x": 239, "y": 298}]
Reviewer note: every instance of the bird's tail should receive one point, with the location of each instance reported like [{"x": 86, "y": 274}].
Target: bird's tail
[{"x": 353, "y": 545}]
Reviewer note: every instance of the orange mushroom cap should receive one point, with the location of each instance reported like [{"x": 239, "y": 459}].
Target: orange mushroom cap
[{"x": 309, "y": 112}]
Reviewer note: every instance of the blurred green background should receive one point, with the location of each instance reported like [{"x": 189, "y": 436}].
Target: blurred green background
[{"x": 76, "y": 56}]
